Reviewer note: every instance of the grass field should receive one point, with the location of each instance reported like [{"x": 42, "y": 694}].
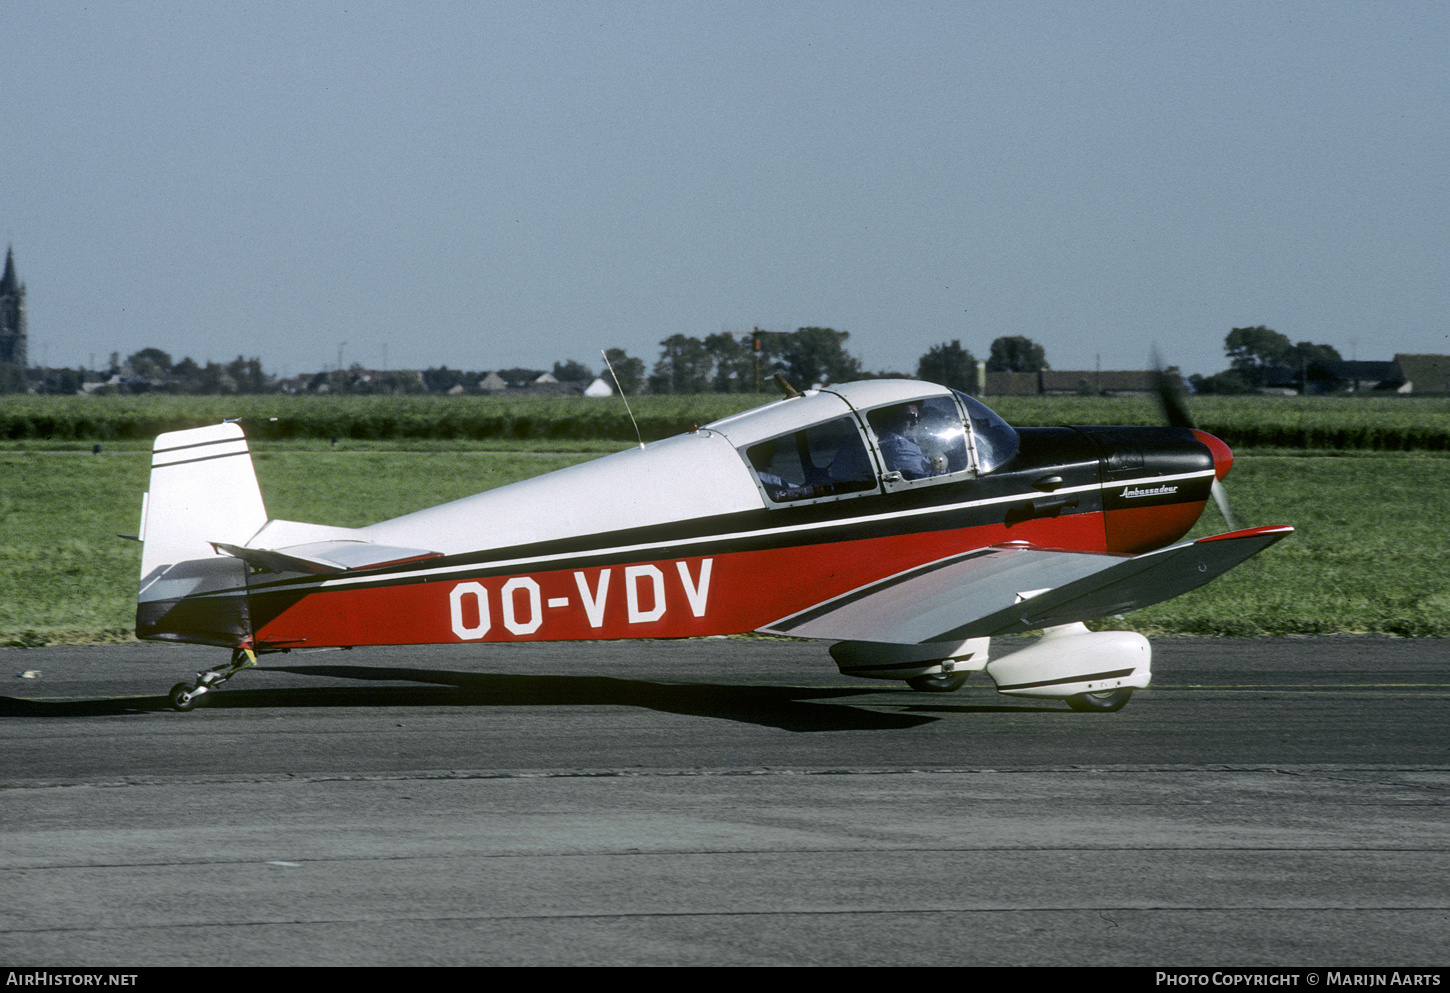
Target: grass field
[
  {"x": 66, "y": 578},
  {"x": 1369, "y": 554}
]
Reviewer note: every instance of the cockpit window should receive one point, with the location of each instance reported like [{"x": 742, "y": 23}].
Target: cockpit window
[
  {"x": 825, "y": 460},
  {"x": 921, "y": 438},
  {"x": 996, "y": 440},
  {"x": 919, "y": 442}
]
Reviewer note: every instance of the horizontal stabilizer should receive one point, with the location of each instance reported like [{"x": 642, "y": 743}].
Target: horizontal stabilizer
[
  {"x": 1009, "y": 589},
  {"x": 321, "y": 558}
]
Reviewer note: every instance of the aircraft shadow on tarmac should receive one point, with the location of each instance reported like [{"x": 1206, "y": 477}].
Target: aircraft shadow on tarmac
[{"x": 790, "y": 708}]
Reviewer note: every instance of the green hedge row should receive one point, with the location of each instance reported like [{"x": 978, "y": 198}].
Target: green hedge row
[
  {"x": 361, "y": 418},
  {"x": 1377, "y": 423},
  {"x": 1371, "y": 437}
]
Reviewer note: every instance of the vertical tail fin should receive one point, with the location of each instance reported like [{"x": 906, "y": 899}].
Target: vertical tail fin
[{"x": 203, "y": 489}]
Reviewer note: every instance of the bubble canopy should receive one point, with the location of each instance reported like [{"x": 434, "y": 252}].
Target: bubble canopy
[
  {"x": 996, "y": 440},
  {"x": 922, "y": 431}
]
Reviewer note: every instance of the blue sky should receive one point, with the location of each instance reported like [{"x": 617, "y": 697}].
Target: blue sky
[{"x": 486, "y": 185}]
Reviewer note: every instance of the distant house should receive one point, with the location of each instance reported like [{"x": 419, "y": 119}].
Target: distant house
[
  {"x": 543, "y": 385},
  {"x": 598, "y": 388},
  {"x": 1403, "y": 374},
  {"x": 554, "y": 389},
  {"x": 1353, "y": 376},
  {"x": 1424, "y": 373}
]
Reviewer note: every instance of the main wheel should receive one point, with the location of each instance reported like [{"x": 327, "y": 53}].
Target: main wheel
[
  {"x": 1105, "y": 702},
  {"x": 946, "y": 682},
  {"x": 184, "y": 697}
]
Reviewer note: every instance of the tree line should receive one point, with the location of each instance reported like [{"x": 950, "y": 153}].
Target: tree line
[
  {"x": 742, "y": 362},
  {"x": 1260, "y": 357},
  {"x": 728, "y": 363},
  {"x": 148, "y": 370},
  {"x": 745, "y": 362}
]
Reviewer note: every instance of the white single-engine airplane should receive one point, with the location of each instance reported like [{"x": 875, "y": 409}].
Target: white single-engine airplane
[{"x": 905, "y": 522}]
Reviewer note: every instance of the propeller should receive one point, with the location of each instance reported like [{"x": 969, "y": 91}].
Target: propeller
[{"x": 1169, "y": 391}]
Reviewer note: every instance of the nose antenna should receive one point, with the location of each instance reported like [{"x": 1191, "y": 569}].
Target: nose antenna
[{"x": 615, "y": 376}]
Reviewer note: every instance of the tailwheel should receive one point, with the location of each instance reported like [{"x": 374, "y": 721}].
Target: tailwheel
[
  {"x": 185, "y": 696},
  {"x": 946, "y": 682},
  {"x": 1106, "y": 702}
]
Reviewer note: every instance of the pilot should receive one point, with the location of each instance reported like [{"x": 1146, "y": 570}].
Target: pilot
[{"x": 896, "y": 434}]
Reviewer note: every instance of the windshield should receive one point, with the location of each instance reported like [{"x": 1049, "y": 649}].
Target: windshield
[
  {"x": 920, "y": 438},
  {"x": 996, "y": 440}
]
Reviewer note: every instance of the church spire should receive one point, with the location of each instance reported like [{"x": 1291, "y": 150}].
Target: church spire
[
  {"x": 12, "y": 314},
  {"x": 9, "y": 284}
]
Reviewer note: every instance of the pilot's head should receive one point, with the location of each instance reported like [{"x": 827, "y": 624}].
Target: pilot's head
[{"x": 903, "y": 419}]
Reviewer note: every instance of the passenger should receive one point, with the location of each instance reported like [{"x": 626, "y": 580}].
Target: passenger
[{"x": 761, "y": 458}]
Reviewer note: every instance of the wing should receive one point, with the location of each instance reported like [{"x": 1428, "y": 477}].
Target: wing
[{"x": 1008, "y": 589}]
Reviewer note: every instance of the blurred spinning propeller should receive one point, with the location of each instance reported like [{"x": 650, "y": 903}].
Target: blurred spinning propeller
[{"x": 1169, "y": 390}]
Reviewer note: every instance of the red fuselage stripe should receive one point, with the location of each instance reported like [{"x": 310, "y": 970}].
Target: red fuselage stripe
[{"x": 725, "y": 592}]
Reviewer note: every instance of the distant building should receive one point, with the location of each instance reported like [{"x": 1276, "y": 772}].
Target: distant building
[
  {"x": 1097, "y": 382},
  {"x": 1354, "y": 376},
  {"x": 1424, "y": 373},
  {"x": 1071, "y": 382},
  {"x": 1403, "y": 374},
  {"x": 1013, "y": 384},
  {"x": 12, "y": 315}
]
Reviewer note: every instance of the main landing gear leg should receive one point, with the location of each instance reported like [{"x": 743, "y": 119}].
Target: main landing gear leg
[{"x": 185, "y": 696}]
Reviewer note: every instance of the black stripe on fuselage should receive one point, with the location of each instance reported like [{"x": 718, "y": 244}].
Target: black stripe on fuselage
[
  {"x": 971, "y": 502},
  {"x": 759, "y": 530},
  {"x": 966, "y": 503},
  {"x": 736, "y": 533}
]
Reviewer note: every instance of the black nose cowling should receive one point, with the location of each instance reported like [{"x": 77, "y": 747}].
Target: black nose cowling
[{"x": 1156, "y": 481}]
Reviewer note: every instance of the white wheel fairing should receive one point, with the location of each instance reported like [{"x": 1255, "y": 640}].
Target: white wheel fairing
[{"x": 1071, "y": 660}]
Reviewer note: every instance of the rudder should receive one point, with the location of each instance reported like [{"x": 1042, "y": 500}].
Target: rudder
[{"x": 203, "y": 489}]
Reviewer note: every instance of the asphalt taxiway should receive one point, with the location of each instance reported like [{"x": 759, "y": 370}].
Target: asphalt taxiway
[{"x": 1266, "y": 802}]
